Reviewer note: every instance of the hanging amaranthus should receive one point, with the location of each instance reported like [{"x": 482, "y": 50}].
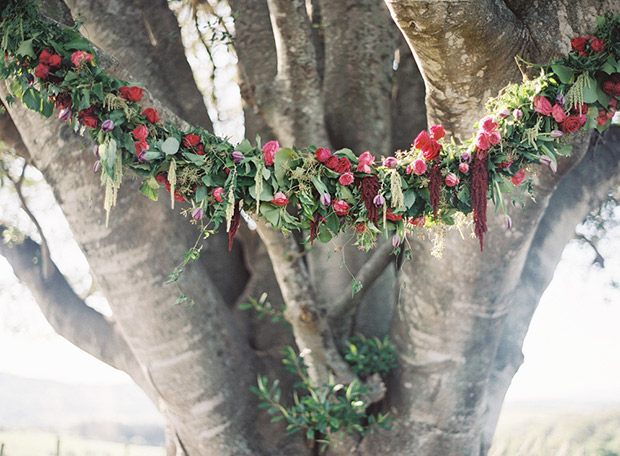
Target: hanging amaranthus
[
  {"x": 369, "y": 189},
  {"x": 479, "y": 182},
  {"x": 434, "y": 187},
  {"x": 314, "y": 227},
  {"x": 234, "y": 225}
]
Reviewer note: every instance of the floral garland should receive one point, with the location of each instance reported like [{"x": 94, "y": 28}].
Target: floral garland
[{"x": 314, "y": 189}]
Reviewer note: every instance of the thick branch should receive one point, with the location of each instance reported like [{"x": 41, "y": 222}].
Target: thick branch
[
  {"x": 297, "y": 116},
  {"x": 366, "y": 276}
]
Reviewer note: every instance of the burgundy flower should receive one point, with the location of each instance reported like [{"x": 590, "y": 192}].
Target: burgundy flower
[
  {"x": 571, "y": 124},
  {"x": 151, "y": 115},
  {"x": 332, "y": 162},
  {"x": 132, "y": 93},
  {"x": 344, "y": 165}
]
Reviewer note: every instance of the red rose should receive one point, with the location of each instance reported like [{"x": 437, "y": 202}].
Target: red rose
[
  {"x": 140, "y": 147},
  {"x": 191, "y": 140},
  {"x": 160, "y": 179},
  {"x": 151, "y": 115},
  {"x": 322, "y": 154},
  {"x": 602, "y": 117},
  {"x": 579, "y": 43},
  {"x": 346, "y": 179},
  {"x": 437, "y": 132},
  {"x": 608, "y": 87},
  {"x": 132, "y": 93},
  {"x": 421, "y": 140},
  {"x": 41, "y": 71},
  {"x": 140, "y": 132},
  {"x": 332, "y": 162},
  {"x": 63, "y": 100},
  {"x": 44, "y": 57},
  {"x": 55, "y": 60},
  {"x": 597, "y": 45},
  {"x": 518, "y": 177},
  {"x": 218, "y": 193},
  {"x": 344, "y": 165},
  {"x": 200, "y": 150},
  {"x": 279, "y": 199},
  {"x": 580, "y": 109},
  {"x": 360, "y": 227},
  {"x": 431, "y": 150},
  {"x": 89, "y": 121},
  {"x": 571, "y": 124},
  {"x": 341, "y": 207}
]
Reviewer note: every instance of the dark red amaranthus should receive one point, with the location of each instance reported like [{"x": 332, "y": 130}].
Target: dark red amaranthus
[
  {"x": 369, "y": 189},
  {"x": 434, "y": 187},
  {"x": 234, "y": 226},
  {"x": 314, "y": 227},
  {"x": 478, "y": 190}
]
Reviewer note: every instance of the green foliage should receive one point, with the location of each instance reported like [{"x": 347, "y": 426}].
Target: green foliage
[
  {"x": 264, "y": 308},
  {"x": 369, "y": 356},
  {"x": 325, "y": 413}
]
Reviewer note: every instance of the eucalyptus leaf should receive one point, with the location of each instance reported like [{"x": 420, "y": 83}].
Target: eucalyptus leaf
[
  {"x": 170, "y": 146},
  {"x": 564, "y": 73},
  {"x": 25, "y": 48}
]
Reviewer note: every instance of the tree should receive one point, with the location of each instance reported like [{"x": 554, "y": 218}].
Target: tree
[{"x": 325, "y": 73}]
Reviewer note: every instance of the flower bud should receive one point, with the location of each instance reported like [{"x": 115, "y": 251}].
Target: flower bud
[
  {"x": 395, "y": 241},
  {"x": 544, "y": 160},
  {"x": 508, "y": 222},
  {"x": 556, "y": 133},
  {"x": 96, "y": 167},
  {"x": 465, "y": 157},
  {"x": 325, "y": 199},
  {"x": 390, "y": 162},
  {"x": 96, "y": 150},
  {"x": 197, "y": 213},
  {"x": 379, "y": 200},
  {"x": 107, "y": 125},
  {"x": 237, "y": 156},
  {"x": 517, "y": 114},
  {"x": 505, "y": 112},
  {"x": 64, "y": 114},
  {"x": 560, "y": 99}
]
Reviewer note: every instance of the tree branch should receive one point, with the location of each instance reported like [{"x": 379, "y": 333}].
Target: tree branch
[{"x": 366, "y": 276}]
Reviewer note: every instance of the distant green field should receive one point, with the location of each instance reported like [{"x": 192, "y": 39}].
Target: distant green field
[
  {"x": 36, "y": 443},
  {"x": 544, "y": 432}
]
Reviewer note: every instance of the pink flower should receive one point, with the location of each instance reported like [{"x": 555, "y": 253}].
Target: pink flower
[
  {"x": 80, "y": 56},
  {"x": 508, "y": 222},
  {"x": 198, "y": 213},
  {"x": 365, "y": 161},
  {"x": 483, "y": 141},
  {"x": 464, "y": 168},
  {"x": 140, "y": 132},
  {"x": 322, "y": 154},
  {"x": 505, "y": 112},
  {"x": 417, "y": 167},
  {"x": 341, "y": 208},
  {"x": 518, "y": 177},
  {"x": 558, "y": 113},
  {"x": 556, "y": 133},
  {"x": 378, "y": 200},
  {"x": 542, "y": 106},
  {"x": 390, "y": 162},
  {"x": 346, "y": 178},
  {"x": 269, "y": 151},
  {"x": 517, "y": 114},
  {"x": 279, "y": 199},
  {"x": 488, "y": 124},
  {"x": 495, "y": 138},
  {"x": 325, "y": 199},
  {"x": 65, "y": 114},
  {"x": 218, "y": 193},
  {"x": 452, "y": 180},
  {"x": 437, "y": 132}
]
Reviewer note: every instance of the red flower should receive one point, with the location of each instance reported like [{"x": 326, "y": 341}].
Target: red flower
[
  {"x": 597, "y": 45},
  {"x": 140, "y": 147},
  {"x": 518, "y": 177},
  {"x": 332, "y": 162},
  {"x": 431, "y": 150},
  {"x": 322, "y": 154},
  {"x": 421, "y": 140},
  {"x": 63, "y": 100},
  {"x": 41, "y": 71},
  {"x": 419, "y": 221},
  {"x": 346, "y": 178},
  {"x": 218, "y": 193},
  {"x": 279, "y": 199},
  {"x": 571, "y": 124},
  {"x": 140, "y": 132},
  {"x": 269, "y": 151},
  {"x": 488, "y": 124},
  {"x": 191, "y": 140},
  {"x": 89, "y": 121},
  {"x": 341, "y": 207},
  {"x": 558, "y": 113},
  {"x": 437, "y": 132},
  {"x": 151, "y": 115},
  {"x": 132, "y": 93},
  {"x": 360, "y": 227},
  {"x": 602, "y": 117},
  {"x": 582, "y": 108},
  {"x": 200, "y": 150},
  {"x": 80, "y": 56},
  {"x": 344, "y": 165},
  {"x": 393, "y": 217},
  {"x": 579, "y": 43},
  {"x": 44, "y": 57},
  {"x": 55, "y": 60}
]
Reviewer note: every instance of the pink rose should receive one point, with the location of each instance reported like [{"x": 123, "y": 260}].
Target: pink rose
[
  {"x": 343, "y": 166},
  {"x": 322, "y": 154},
  {"x": 346, "y": 179},
  {"x": 80, "y": 56},
  {"x": 483, "y": 141},
  {"x": 140, "y": 132},
  {"x": 495, "y": 138},
  {"x": 452, "y": 180},
  {"x": 279, "y": 199},
  {"x": 269, "y": 151},
  {"x": 365, "y": 161},
  {"x": 518, "y": 177},
  {"x": 218, "y": 193},
  {"x": 417, "y": 167},
  {"x": 437, "y": 132},
  {"x": 341, "y": 208},
  {"x": 390, "y": 162},
  {"x": 558, "y": 113},
  {"x": 464, "y": 168},
  {"x": 488, "y": 124},
  {"x": 542, "y": 106}
]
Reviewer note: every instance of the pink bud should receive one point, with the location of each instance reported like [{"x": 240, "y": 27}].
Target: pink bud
[
  {"x": 505, "y": 112},
  {"x": 64, "y": 114},
  {"x": 451, "y": 180},
  {"x": 556, "y": 133},
  {"x": 390, "y": 162},
  {"x": 379, "y": 200},
  {"x": 325, "y": 199},
  {"x": 508, "y": 222},
  {"x": 517, "y": 114},
  {"x": 96, "y": 167},
  {"x": 395, "y": 241},
  {"x": 464, "y": 168},
  {"x": 197, "y": 213}
]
